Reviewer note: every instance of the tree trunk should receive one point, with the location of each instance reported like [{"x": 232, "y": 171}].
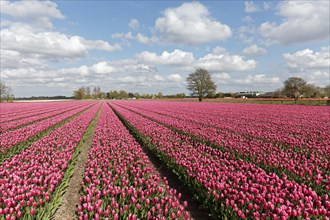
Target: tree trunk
[{"x": 200, "y": 98}]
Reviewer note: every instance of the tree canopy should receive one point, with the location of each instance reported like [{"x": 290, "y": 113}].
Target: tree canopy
[
  {"x": 200, "y": 83},
  {"x": 293, "y": 87}
]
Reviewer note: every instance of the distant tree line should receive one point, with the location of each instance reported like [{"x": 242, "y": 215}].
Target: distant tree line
[
  {"x": 96, "y": 93},
  {"x": 295, "y": 87},
  {"x": 202, "y": 86},
  {"x": 45, "y": 97},
  {"x": 88, "y": 93}
]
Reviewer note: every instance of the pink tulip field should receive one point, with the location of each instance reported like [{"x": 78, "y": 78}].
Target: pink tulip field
[
  {"x": 28, "y": 179},
  {"x": 236, "y": 161},
  {"x": 120, "y": 181},
  {"x": 10, "y": 138},
  {"x": 240, "y": 172},
  {"x": 282, "y": 152},
  {"x": 34, "y": 117}
]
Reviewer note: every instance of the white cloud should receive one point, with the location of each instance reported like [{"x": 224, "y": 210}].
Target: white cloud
[
  {"x": 248, "y": 19},
  {"x": 177, "y": 57},
  {"x": 308, "y": 59},
  {"x": 250, "y": 7},
  {"x": 102, "y": 68},
  {"x": 159, "y": 77},
  {"x": 314, "y": 66},
  {"x": 141, "y": 38},
  {"x": 100, "y": 45},
  {"x": 267, "y": 5},
  {"x": 190, "y": 24},
  {"x": 24, "y": 39},
  {"x": 14, "y": 59},
  {"x": 175, "y": 77},
  {"x": 262, "y": 78},
  {"x": 37, "y": 12},
  {"x": 246, "y": 39},
  {"x": 121, "y": 67},
  {"x": 219, "y": 50},
  {"x": 226, "y": 63},
  {"x": 254, "y": 50},
  {"x": 221, "y": 76},
  {"x": 302, "y": 21},
  {"x": 134, "y": 24},
  {"x": 258, "y": 79},
  {"x": 146, "y": 40},
  {"x": 81, "y": 71},
  {"x": 128, "y": 79}
]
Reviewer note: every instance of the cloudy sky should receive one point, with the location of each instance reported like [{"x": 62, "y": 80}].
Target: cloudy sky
[{"x": 53, "y": 47}]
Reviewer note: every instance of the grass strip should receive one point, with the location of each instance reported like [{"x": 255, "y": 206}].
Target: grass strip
[{"x": 50, "y": 208}]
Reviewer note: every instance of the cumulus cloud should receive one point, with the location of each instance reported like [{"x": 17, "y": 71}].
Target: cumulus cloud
[
  {"x": 177, "y": 57},
  {"x": 139, "y": 37},
  {"x": 226, "y": 62},
  {"x": 24, "y": 39},
  {"x": 246, "y": 39},
  {"x": 120, "y": 67},
  {"x": 221, "y": 76},
  {"x": 36, "y": 12},
  {"x": 14, "y": 59},
  {"x": 248, "y": 19},
  {"x": 308, "y": 59},
  {"x": 102, "y": 68},
  {"x": 258, "y": 79},
  {"x": 219, "y": 50},
  {"x": 175, "y": 77},
  {"x": 302, "y": 21},
  {"x": 254, "y": 50},
  {"x": 250, "y": 7},
  {"x": 267, "y": 5},
  {"x": 309, "y": 64},
  {"x": 27, "y": 36},
  {"x": 81, "y": 71},
  {"x": 190, "y": 24},
  {"x": 134, "y": 24}
]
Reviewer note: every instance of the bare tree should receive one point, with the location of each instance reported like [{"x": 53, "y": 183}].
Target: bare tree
[
  {"x": 200, "y": 83},
  {"x": 5, "y": 92},
  {"x": 80, "y": 93},
  {"x": 87, "y": 92},
  {"x": 293, "y": 87},
  {"x": 97, "y": 92},
  {"x": 311, "y": 91}
]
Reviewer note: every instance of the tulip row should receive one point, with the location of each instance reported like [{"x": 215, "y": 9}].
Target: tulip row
[
  {"x": 12, "y": 138},
  {"x": 302, "y": 127},
  {"x": 311, "y": 167},
  {"x": 120, "y": 181},
  {"x": 29, "y": 179},
  {"x": 231, "y": 187},
  {"x": 15, "y": 111},
  {"x": 38, "y": 116}
]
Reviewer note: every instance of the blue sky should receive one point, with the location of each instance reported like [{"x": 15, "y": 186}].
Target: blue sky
[{"x": 52, "y": 48}]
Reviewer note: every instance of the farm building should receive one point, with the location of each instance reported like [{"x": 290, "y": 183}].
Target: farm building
[{"x": 251, "y": 94}]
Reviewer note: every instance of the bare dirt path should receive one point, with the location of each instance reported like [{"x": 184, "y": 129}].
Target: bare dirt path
[{"x": 70, "y": 198}]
